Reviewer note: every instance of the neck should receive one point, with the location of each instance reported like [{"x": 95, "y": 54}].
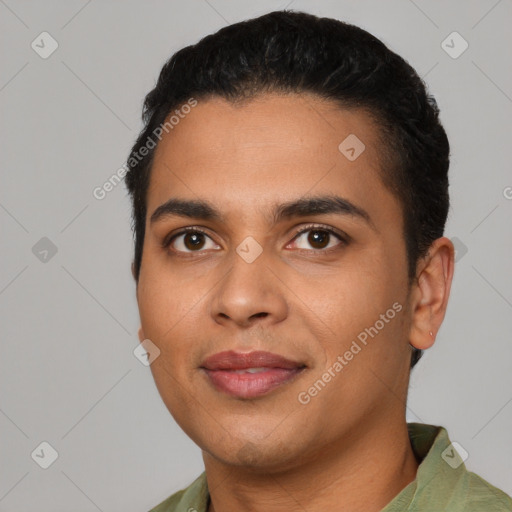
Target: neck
[{"x": 359, "y": 473}]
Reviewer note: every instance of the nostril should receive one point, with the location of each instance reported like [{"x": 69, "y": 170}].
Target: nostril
[{"x": 259, "y": 315}]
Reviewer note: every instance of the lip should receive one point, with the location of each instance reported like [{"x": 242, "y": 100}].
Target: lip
[{"x": 225, "y": 372}]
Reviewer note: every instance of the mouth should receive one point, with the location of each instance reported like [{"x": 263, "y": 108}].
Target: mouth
[{"x": 249, "y": 375}]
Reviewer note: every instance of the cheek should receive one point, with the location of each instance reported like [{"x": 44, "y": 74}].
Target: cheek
[
  {"x": 357, "y": 305},
  {"x": 167, "y": 319},
  {"x": 349, "y": 298},
  {"x": 171, "y": 311},
  {"x": 175, "y": 392},
  {"x": 164, "y": 301}
]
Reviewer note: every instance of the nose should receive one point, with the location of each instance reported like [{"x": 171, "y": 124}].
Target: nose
[{"x": 250, "y": 293}]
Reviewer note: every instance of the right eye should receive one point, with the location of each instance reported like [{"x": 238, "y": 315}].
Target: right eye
[{"x": 189, "y": 240}]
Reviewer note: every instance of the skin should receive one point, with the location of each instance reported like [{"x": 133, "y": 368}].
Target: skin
[{"x": 349, "y": 444}]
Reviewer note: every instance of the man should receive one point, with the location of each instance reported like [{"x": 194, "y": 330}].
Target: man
[{"x": 290, "y": 193}]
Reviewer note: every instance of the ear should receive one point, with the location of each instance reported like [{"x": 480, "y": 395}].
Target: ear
[
  {"x": 431, "y": 292},
  {"x": 141, "y": 334}
]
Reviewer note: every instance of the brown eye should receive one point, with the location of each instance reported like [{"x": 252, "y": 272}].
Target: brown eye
[
  {"x": 191, "y": 241},
  {"x": 317, "y": 238}
]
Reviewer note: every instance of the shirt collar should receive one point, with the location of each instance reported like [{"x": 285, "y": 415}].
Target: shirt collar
[{"x": 441, "y": 480}]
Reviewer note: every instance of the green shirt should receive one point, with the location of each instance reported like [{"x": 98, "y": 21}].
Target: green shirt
[{"x": 442, "y": 483}]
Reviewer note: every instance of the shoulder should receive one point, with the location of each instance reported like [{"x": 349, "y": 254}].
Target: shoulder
[
  {"x": 443, "y": 482},
  {"x": 194, "y": 497},
  {"x": 170, "y": 504},
  {"x": 481, "y": 495}
]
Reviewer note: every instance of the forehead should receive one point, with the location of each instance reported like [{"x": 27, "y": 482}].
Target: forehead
[{"x": 270, "y": 149}]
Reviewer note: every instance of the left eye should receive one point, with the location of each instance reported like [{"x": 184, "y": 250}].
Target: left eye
[{"x": 318, "y": 238}]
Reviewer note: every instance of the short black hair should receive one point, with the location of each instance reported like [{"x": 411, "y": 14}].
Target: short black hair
[{"x": 296, "y": 52}]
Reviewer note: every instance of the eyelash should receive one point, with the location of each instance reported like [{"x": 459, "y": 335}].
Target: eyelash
[{"x": 343, "y": 238}]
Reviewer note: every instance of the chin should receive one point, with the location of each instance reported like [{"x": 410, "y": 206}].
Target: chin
[{"x": 259, "y": 456}]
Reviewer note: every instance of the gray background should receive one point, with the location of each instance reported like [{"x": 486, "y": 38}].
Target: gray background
[{"x": 68, "y": 375}]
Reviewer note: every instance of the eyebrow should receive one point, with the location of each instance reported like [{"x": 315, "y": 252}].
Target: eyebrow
[{"x": 303, "y": 207}]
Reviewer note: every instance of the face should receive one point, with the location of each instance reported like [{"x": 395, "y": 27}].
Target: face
[{"x": 310, "y": 293}]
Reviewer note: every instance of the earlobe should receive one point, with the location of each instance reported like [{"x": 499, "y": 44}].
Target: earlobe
[
  {"x": 431, "y": 293},
  {"x": 141, "y": 334}
]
